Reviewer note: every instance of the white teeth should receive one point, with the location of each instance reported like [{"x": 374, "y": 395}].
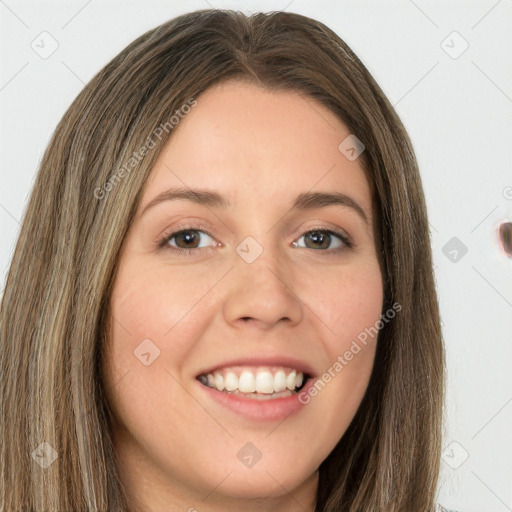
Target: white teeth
[
  {"x": 280, "y": 381},
  {"x": 247, "y": 382},
  {"x": 231, "y": 381},
  {"x": 264, "y": 382},
  {"x": 258, "y": 381},
  {"x": 291, "y": 380},
  {"x": 218, "y": 381}
]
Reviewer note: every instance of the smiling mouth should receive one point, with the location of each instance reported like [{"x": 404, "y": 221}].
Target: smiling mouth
[{"x": 262, "y": 383}]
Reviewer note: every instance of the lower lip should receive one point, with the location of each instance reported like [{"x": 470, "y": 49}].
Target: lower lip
[{"x": 266, "y": 410}]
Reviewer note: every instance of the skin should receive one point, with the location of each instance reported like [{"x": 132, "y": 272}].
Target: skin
[{"x": 178, "y": 447}]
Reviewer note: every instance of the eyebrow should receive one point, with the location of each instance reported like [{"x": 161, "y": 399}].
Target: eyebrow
[{"x": 304, "y": 201}]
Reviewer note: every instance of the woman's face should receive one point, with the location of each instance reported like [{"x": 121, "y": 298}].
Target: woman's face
[{"x": 267, "y": 290}]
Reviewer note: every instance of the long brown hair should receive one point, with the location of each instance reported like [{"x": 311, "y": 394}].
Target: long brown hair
[{"x": 54, "y": 312}]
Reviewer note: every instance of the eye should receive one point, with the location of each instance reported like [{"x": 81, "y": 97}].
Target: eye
[
  {"x": 186, "y": 240},
  {"x": 320, "y": 238}
]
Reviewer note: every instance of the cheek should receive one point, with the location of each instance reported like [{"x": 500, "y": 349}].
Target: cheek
[
  {"x": 348, "y": 308},
  {"x": 156, "y": 303},
  {"x": 346, "y": 301},
  {"x": 157, "y": 315},
  {"x": 155, "y": 322}
]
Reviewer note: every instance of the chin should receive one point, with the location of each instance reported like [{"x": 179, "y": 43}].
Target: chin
[
  {"x": 260, "y": 482},
  {"x": 251, "y": 485}
]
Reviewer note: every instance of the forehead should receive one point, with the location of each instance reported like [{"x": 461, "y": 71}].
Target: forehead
[{"x": 255, "y": 145}]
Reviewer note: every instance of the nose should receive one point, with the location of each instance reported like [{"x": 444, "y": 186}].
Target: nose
[{"x": 262, "y": 294}]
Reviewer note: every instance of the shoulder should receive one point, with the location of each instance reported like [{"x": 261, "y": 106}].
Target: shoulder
[{"x": 440, "y": 508}]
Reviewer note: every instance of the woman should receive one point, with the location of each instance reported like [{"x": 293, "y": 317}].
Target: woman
[{"x": 222, "y": 296}]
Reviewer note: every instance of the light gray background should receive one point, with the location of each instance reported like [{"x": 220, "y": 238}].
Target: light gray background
[{"x": 457, "y": 108}]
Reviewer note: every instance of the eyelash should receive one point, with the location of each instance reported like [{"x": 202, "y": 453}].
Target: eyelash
[{"x": 163, "y": 242}]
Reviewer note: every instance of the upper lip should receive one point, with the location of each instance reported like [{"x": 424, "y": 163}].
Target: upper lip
[{"x": 285, "y": 361}]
